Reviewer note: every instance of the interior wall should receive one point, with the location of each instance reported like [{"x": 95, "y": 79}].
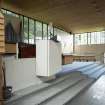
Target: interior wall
[
  {"x": 20, "y": 73},
  {"x": 95, "y": 49}
]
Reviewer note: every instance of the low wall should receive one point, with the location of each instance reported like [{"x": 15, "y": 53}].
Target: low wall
[
  {"x": 21, "y": 73},
  {"x": 95, "y": 49}
]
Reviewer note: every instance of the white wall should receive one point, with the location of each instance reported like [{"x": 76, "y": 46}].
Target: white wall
[{"x": 20, "y": 73}]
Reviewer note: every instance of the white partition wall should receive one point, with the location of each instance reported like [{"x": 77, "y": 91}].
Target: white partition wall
[
  {"x": 48, "y": 57},
  {"x": 21, "y": 73}
]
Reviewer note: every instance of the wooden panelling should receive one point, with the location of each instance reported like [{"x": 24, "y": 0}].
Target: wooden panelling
[
  {"x": 84, "y": 58},
  {"x": 1, "y": 21},
  {"x": 67, "y": 59},
  {"x": 2, "y": 38},
  {"x": 2, "y": 34},
  {"x": 1, "y": 82},
  {"x": 1, "y": 26},
  {"x": 2, "y": 50},
  {"x": 1, "y": 30},
  {"x": 2, "y": 44},
  {"x": 10, "y": 48}
]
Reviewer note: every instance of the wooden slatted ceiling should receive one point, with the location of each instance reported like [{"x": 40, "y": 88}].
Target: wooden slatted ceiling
[
  {"x": 72, "y": 15},
  {"x": 2, "y": 39}
]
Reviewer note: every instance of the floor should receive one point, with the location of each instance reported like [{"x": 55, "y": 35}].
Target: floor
[{"x": 72, "y": 80}]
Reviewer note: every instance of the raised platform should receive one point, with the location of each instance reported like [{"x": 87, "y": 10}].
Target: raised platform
[{"x": 73, "y": 80}]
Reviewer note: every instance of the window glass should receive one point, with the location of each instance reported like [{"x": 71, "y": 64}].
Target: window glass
[
  {"x": 22, "y": 28},
  {"x": 25, "y": 29},
  {"x": 102, "y": 37},
  {"x": 66, "y": 43},
  {"x": 12, "y": 14},
  {"x": 3, "y": 11},
  {"x": 31, "y": 31},
  {"x": 83, "y": 38},
  {"x": 89, "y": 38},
  {"x": 95, "y": 38},
  {"x": 38, "y": 30},
  {"x": 50, "y": 31},
  {"x": 44, "y": 31},
  {"x": 77, "y": 39},
  {"x": 55, "y": 31},
  {"x": 92, "y": 38},
  {"x": 98, "y": 37}
]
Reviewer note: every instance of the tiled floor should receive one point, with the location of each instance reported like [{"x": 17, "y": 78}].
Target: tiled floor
[{"x": 95, "y": 95}]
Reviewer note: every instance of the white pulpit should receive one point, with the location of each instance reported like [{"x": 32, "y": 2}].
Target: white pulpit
[{"x": 48, "y": 57}]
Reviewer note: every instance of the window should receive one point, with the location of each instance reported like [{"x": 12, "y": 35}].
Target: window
[
  {"x": 84, "y": 39},
  {"x": 45, "y": 31},
  {"x": 98, "y": 37},
  {"x": 102, "y": 37},
  {"x": 77, "y": 39},
  {"x": 31, "y": 31},
  {"x": 67, "y": 43},
  {"x": 22, "y": 28},
  {"x": 50, "y": 31},
  {"x": 25, "y": 29},
  {"x": 3, "y": 11},
  {"x": 89, "y": 38},
  {"x": 55, "y": 31},
  {"x": 38, "y": 30}
]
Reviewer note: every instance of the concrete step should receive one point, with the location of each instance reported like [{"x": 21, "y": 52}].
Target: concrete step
[
  {"x": 38, "y": 88},
  {"x": 97, "y": 74},
  {"x": 38, "y": 98},
  {"x": 73, "y": 67},
  {"x": 89, "y": 67},
  {"x": 69, "y": 93},
  {"x": 94, "y": 95},
  {"x": 89, "y": 72}
]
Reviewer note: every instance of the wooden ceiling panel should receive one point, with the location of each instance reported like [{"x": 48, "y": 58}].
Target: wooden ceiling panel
[{"x": 72, "y": 15}]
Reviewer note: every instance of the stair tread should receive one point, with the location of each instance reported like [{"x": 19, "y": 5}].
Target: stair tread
[
  {"x": 34, "y": 99},
  {"x": 93, "y": 70},
  {"x": 94, "y": 95},
  {"x": 69, "y": 94},
  {"x": 89, "y": 67},
  {"x": 98, "y": 74},
  {"x": 75, "y": 66},
  {"x": 36, "y": 88}
]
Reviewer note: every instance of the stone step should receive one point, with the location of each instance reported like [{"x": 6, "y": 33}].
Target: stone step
[
  {"x": 97, "y": 74},
  {"x": 88, "y": 67},
  {"x": 41, "y": 96},
  {"x": 69, "y": 93},
  {"x": 89, "y": 72},
  {"x": 38, "y": 88}
]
